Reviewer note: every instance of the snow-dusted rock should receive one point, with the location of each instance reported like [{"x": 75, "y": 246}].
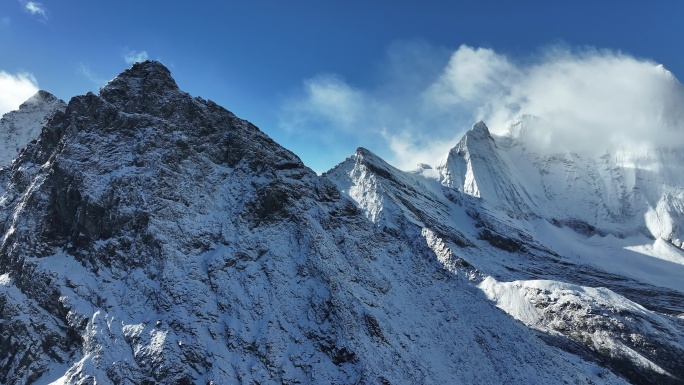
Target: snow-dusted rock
[
  {"x": 18, "y": 128},
  {"x": 152, "y": 237}
]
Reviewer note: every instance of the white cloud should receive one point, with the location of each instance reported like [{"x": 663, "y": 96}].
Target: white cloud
[
  {"x": 15, "y": 89},
  {"x": 135, "y": 56},
  {"x": 409, "y": 148},
  {"x": 36, "y": 8},
  {"x": 327, "y": 99},
  {"x": 471, "y": 76},
  {"x": 589, "y": 100}
]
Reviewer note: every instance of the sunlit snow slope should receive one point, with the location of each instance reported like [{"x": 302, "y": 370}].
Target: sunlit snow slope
[{"x": 585, "y": 248}]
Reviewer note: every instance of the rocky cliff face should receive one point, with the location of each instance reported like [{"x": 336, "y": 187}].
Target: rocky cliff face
[{"x": 152, "y": 237}]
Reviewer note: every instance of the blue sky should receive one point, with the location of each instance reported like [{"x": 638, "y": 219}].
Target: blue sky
[{"x": 324, "y": 77}]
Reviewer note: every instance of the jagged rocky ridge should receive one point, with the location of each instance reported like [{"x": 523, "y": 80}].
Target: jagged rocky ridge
[{"x": 152, "y": 237}]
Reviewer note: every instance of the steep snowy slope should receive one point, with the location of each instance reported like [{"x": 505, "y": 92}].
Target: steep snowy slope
[
  {"x": 629, "y": 205},
  {"x": 151, "y": 237},
  {"x": 18, "y": 128},
  {"x": 475, "y": 168},
  {"x": 484, "y": 213},
  {"x": 621, "y": 193}
]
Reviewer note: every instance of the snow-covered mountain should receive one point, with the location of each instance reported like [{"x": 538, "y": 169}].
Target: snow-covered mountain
[
  {"x": 18, "y": 128},
  {"x": 585, "y": 248},
  {"x": 149, "y": 236}
]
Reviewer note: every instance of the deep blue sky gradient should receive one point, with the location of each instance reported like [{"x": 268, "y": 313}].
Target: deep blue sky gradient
[{"x": 250, "y": 56}]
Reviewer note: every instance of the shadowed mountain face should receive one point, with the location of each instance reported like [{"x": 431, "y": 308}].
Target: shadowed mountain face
[{"x": 152, "y": 237}]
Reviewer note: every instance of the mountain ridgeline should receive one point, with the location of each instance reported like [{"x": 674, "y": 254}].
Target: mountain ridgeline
[{"x": 152, "y": 237}]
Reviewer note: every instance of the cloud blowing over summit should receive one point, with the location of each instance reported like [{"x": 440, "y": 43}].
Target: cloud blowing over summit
[{"x": 589, "y": 100}]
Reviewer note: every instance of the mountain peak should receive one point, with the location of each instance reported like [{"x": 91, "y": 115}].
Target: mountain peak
[
  {"x": 144, "y": 80},
  {"x": 366, "y": 156},
  {"x": 480, "y": 126},
  {"x": 146, "y": 68},
  {"x": 42, "y": 101},
  {"x": 19, "y": 127},
  {"x": 149, "y": 65},
  {"x": 480, "y": 131},
  {"x": 41, "y": 96},
  {"x": 362, "y": 151}
]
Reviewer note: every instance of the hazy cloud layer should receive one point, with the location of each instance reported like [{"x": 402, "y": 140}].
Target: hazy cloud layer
[
  {"x": 135, "y": 56},
  {"x": 588, "y": 100},
  {"x": 15, "y": 89}
]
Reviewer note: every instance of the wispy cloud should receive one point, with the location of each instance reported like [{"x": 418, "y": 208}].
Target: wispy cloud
[
  {"x": 35, "y": 8},
  {"x": 15, "y": 89},
  {"x": 589, "y": 99},
  {"x": 327, "y": 99},
  {"x": 88, "y": 73},
  {"x": 389, "y": 119},
  {"x": 135, "y": 56}
]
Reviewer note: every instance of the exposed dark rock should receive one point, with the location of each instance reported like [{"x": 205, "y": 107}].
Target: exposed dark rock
[{"x": 504, "y": 243}]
